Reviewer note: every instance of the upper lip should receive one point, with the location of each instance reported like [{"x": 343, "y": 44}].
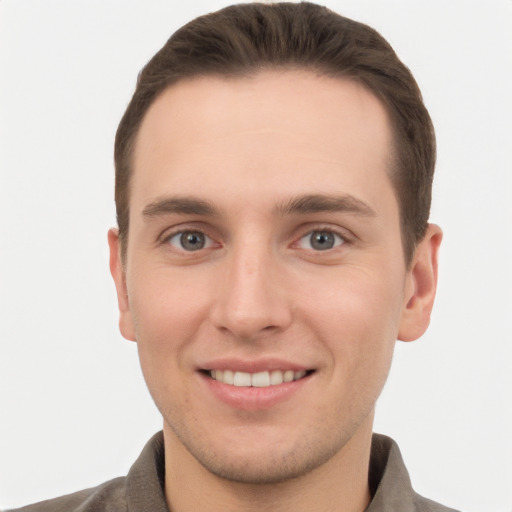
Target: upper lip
[{"x": 252, "y": 366}]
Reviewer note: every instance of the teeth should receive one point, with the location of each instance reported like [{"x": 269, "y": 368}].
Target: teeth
[
  {"x": 257, "y": 380},
  {"x": 276, "y": 377},
  {"x": 240, "y": 379},
  {"x": 227, "y": 376},
  {"x": 288, "y": 376},
  {"x": 260, "y": 380}
]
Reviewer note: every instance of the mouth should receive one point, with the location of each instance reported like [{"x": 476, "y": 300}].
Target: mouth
[
  {"x": 261, "y": 379},
  {"x": 255, "y": 385}
]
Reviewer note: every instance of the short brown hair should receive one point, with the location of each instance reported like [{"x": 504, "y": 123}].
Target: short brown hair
[{"x": 242, "y": 39}]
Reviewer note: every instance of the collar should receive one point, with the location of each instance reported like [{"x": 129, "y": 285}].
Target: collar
[{"x": 388, "y": 478}]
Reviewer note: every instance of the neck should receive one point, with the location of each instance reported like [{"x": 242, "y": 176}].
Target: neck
[{"x": 340, "y": 484}]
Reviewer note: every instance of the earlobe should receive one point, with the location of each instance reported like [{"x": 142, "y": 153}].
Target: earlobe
[
  {"x": 118, "y": 274},
  {"x": 421, "y": 286}
]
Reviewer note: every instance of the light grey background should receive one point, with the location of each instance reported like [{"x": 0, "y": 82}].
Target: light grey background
[{"x": 74, "y": 410}]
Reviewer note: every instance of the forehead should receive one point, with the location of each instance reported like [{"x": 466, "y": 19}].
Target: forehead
[{"x": 278, "y": 131}]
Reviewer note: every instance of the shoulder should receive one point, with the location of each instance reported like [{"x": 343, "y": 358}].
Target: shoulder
[
  {"x": 141, "y": 489},
  {"x": 426, "y": 505},
  {"x": 390, "y": 483},
  {"x": 107, "y": 497}
]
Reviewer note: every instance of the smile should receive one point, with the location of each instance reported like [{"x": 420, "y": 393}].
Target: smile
[{"x": 257, "y": 380}]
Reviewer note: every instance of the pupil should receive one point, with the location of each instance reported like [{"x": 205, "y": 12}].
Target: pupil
[
  {"x": 192, "y": 241},
  {"x": 322, "y": 240}
]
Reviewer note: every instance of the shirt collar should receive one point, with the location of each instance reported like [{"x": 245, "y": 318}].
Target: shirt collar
[{"x": 389, "y": 481}]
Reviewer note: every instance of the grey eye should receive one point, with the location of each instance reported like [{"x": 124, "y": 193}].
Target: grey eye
[
  {"x": 321, "y": 240},
  {"x": 190, "y": 240}
]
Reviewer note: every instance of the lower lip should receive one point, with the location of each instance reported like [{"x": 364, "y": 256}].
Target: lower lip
[{"x": 254, "y": 398}]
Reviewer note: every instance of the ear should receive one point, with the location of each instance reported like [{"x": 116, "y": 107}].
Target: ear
[
  {"x": 421, "y": 286},
  {"x": 118, "y": 274}
]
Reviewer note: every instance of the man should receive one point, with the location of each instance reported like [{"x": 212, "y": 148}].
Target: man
[{"x": 273, "y": 177}]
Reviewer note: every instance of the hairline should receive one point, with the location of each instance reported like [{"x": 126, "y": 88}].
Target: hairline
[{"x": 393, "y": 167}]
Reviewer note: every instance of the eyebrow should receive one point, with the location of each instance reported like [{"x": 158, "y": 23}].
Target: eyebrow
[
  {"x": 178, "y": 205},
  {"x": 311, "y": 203},
  {"x": 315, "y": 203}
]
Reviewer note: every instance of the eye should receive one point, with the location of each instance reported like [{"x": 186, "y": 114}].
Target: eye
[
  {"x": 321, "y": 240},
  {"x": 190, "y": 241}
]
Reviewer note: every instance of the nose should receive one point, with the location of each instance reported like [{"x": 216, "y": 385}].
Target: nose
[{"x": 251, "y": 299}]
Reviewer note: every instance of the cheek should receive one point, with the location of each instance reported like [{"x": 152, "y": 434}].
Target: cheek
[
  {"x": 357, "y": 316},
  {"x": 167, "y": 316},
  {"x": 167, "y": 312},
  {"x": 354, "y": 296}
]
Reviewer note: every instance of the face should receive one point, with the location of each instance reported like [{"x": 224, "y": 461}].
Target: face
[{"x": 265, "y": 281}]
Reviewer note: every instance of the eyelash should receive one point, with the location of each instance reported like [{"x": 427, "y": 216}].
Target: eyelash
[
  {"x": 341, "y": 238},
  {"x": 166, "y": 239}
]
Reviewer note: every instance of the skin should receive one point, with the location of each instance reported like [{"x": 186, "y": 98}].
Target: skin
[{"x": 260, "y": 291}]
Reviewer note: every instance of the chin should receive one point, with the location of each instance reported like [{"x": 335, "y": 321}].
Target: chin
[
  {"x": 259, "y": 461},
  {"x": 264, "y": 468}
]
